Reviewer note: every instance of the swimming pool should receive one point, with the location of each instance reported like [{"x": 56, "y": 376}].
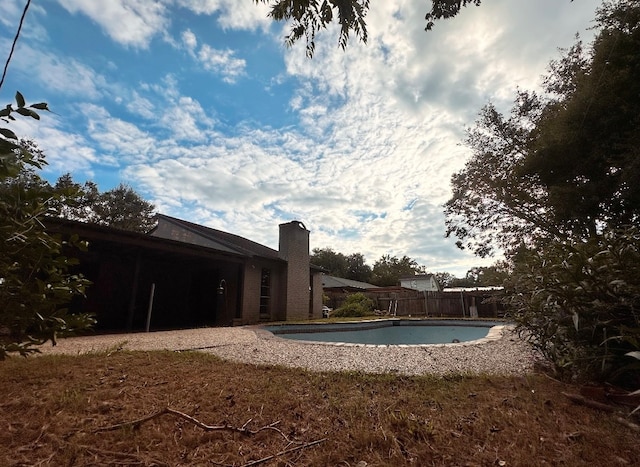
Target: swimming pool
[{"x": 388, "y": 332}]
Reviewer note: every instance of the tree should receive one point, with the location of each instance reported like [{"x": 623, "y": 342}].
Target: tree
[
  {"x": 559, "y": 191},
  {"x": 75, "y": 201},
  {"x": 27, "y": 177},
  {"x": 463, "y": 282},
  {"x": 493, "y": 205},
  {"x": 122, "y": 207},
  {"x": 586, "y": 155},
  {"x": 444, "y": 279},
  {"x": 308, "y": 17},
  {"x": 563, "y": 166},
  {"x": 335, "y": 263},
  {"x": 444, "y": 9},
  {"x": 389, "y": 269},
  {"x": 35, "y": 282},
  {"x": 489, "y": 276},
  {"x": 357, "y": 269}
]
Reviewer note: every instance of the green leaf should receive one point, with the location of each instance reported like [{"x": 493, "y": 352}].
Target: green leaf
[
  {"x": 7, "y": 147},
  {"x": 6, "y": 111},
  {"x": 8, "y": 133},
  {"x": 20, "y": 100},
  {"x": 41, "y": 106},
  {"x": 28, "y": 113}
]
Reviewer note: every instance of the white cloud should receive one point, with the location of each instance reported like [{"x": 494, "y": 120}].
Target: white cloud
[
  {"x": 387, "y": 118},
  {"x": 189, "y": 40},
  {"x": 367, "y": 184},
  {"x": 119, "y": 142},
  {"x": 485, "y": 52},
  {"x": 136, "y": 22},
  {"x": 10, "y": 11},
  {"x": 186, "y": 120},
  {"x": 232, "y": 14},
  {"x": 128, "y": 22},
  {"x": 222, "y": 62},
  {"x": 65, "y": 151},
  {"x": 366, "y": 166},
  {"x": 141, "y": 106},
  {"x": 70, "y": 77},
  {"x": 59, "y": 75}
]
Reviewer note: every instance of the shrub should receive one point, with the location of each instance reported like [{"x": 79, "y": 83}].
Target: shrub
[
  {"x": 579, "y": 304},
  {"x": 355, "y": 305},
  {"x": 36, "y": 282}
]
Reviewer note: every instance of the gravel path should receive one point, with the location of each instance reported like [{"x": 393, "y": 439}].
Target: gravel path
[{"x": 505, "y": 353}]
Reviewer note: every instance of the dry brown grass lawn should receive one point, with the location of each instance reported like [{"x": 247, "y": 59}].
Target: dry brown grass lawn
[{"x": 53, "y": 406}]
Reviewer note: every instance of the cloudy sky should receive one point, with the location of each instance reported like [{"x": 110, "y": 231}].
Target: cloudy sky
[{"x": 199, "y": 106}]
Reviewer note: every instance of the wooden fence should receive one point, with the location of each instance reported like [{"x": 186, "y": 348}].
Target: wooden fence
[{"x": 414, "y": 303}]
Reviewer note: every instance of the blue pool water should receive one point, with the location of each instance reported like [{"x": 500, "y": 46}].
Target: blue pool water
[{"x": 387, "y": 332}]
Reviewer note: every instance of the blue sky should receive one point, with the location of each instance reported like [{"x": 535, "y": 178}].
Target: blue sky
[{"x": 199, "y": 106}]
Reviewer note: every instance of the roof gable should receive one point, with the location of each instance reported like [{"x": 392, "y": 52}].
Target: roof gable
[{"x": 188, "y": 232}]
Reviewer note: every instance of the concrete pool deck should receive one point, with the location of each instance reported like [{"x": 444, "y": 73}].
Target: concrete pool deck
[{"x": 503, "y": 353}]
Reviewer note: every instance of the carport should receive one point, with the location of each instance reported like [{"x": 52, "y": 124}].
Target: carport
[{"x": 136, "y": 276}]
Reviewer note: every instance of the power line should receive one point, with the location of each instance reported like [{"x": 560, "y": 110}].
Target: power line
[{"x": 15, "y": 40}]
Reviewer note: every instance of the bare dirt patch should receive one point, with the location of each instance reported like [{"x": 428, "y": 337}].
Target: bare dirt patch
[{"x": 55, "y": 408}]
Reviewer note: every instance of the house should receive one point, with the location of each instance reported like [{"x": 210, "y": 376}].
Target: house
[
  {"x": 421, "y": 282},
  {"x": 184, "y": 275}
]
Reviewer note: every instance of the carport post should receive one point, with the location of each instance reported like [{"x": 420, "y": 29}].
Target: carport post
[
  {"x": 153, "y": 290},
  {"x": 134, "y": 292}
]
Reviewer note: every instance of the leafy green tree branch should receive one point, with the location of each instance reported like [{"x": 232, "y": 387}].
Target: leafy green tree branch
[{"x": 36, "y": 282}]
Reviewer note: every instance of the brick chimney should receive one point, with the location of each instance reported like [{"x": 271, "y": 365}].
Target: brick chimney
[{"x": 294, "y": 248}]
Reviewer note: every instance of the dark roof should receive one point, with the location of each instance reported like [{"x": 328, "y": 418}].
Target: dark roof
[
  {"x": 329, "y": 282},
  {"x": 210, "y": 243},
  {"x": 124, "y": 239},
  {"x": 219, "y": 240}
]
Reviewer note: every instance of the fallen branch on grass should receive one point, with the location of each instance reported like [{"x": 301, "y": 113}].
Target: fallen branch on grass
[
  {"x": 627, "y": 423},
  {"x": 133, "y": 424},
  {"x": 577, "y": 398},
  {"x": 167, "y": 410},
  {"x": 286, "y": 451},
  {"x": 115, "y": 456}
]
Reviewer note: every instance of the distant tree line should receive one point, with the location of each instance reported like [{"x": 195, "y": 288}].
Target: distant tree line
[
  {"x": 388, "y": 270},
  {"x": 121, "y": 207}
]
